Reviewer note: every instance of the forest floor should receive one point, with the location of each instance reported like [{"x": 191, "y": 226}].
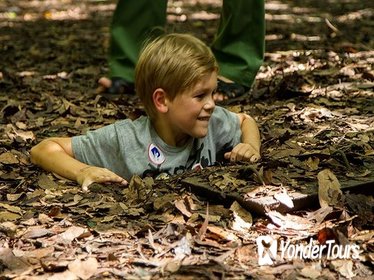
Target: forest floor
[{"x": 313, "y": 100}]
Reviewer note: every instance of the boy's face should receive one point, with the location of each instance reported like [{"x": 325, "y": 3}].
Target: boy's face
[{"x": 189, "y": 113}]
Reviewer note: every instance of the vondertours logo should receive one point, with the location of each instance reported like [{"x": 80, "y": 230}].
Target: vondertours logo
[{"x": 267, "y": 249}]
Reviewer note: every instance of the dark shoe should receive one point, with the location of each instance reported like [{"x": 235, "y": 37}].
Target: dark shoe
[
  {"x": 120, "y": 86},
  {"x": 231, "y": 90}
]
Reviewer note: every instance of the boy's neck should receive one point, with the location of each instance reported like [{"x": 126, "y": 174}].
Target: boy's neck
[{"x": 164, "y": 131}]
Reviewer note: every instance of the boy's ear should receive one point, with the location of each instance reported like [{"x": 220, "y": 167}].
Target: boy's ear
[{"x": 160, "y": 100}]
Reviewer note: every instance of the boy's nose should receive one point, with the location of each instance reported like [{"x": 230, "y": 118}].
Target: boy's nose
[{"x": 209, "y": 104}]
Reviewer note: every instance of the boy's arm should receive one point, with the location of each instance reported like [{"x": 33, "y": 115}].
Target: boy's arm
[
  {"x": 56, "y": 155},
  {"x": 249, "y": 148}
]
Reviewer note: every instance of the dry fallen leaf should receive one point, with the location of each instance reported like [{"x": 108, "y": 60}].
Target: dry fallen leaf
[
  {"x": 8, "y": 158},
  {"x": 284, "y": 198},
  {"x": 329, "y": 193},
  {"x": 11, "y": 208},
  {"x": 242, "y": 221},
  {"x": 172, "y": 266},
  {"x": 311, "y": 272},
  {"x": 289, "y": 221},
  {"x": 204, "y": 226},
  {"x": 66, "y": 275},
  {"x": 344, "y": 267},
  {"x": 37, "y": 253},
  {"x": 10, "y": 261},
  {"x": 37, "y": 232},
  {"x": 320, "y": 214},
  {"x": 71, "y": 233},
  {"x": 14, "y": 197},
  {"x": 363, "y": 236},
  {"x": 44, "y": 219},
  {"x": 8, "y": 216},
  {"x": 181, "y": 206},
  {"x": 8, "y": 228},
  {"x": 183, "y": 248},
  {"x": 45, "y": 182},
  {"x": 164, "y": 201},
  {"x": 312, "y": 163},
  {"x": 221, "y": 234},
  {"x": 84, "y": 269}
]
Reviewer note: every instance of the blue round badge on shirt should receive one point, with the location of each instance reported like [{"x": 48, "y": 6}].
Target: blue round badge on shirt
[{"x": 155, "y": 155}]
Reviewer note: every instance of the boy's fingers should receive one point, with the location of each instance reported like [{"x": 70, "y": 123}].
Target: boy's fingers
[
  {"x": 124, "y": 182},
  {"x": 253, "y": 158},
  {"x": 98, "y": 175},
  {"x": 85, "y": 185},
  {"x": 230, "y": 156},
  {"x": 239, "y": 157},
  {"x": 242, "y": 152},
  {"x": 248, "y": 155},
  {"x": 115, "y": 178}
]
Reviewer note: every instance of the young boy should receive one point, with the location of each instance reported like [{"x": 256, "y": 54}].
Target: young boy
[{"x": 175, "y": 78}]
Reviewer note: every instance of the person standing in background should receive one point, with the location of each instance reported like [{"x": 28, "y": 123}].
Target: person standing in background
[{"x": 239, "y": 43}]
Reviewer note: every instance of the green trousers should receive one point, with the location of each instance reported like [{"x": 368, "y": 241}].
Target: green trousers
[{"x": 238, "y": 45}]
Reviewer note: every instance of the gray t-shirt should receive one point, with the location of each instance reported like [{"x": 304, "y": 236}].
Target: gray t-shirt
[{"x": 133, "y": 147}]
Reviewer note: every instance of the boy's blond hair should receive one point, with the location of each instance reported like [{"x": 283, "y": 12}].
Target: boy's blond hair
[{"x": 173, "y": 62}]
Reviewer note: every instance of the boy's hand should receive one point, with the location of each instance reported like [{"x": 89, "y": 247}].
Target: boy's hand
[
  {"x": 92, "y": 174},
  {"x": 243, "y": 151}
]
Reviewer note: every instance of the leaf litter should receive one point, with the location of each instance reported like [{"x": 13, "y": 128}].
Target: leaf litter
[{"x": 314, "y": 104}]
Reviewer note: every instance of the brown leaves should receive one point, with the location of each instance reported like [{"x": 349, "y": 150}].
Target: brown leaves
[
  {"x": 45, "y": 182},
  {"x": 242, "y": 219},
  {"x": 36, "y": 233},
  {"x": 8, "y": 158},
  {"x": 84, "y": 269},
  {"x": 70, "y": 234},
  {"x": 329, "y": 193},
  {"x": 9, "y": 212},
  {"x": 290, "y": 222},
  {"x": 15, "y": 264},
  {"x": 315, "y": 111}
]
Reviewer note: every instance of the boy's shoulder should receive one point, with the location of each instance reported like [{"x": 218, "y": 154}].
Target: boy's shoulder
[
  {"x": 222, "y": 119},
  {"x": 140, "y": 123},
  {"x": 219, "y": 109},
  {"x": 222, "y": 113}
]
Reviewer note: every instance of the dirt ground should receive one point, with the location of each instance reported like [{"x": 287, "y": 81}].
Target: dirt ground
[{"x": 313, "y": 100}]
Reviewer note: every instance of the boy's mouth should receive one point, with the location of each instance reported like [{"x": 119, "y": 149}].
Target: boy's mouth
[{"x": 204, "y": 118}]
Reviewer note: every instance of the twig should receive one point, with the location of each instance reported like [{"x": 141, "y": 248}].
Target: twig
[
  {"x": 204, "y": 226},
  {"x": 254, "y": 170},
  {"x": 344, "y": 157},
  {"x": 332, "y": 27}
]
